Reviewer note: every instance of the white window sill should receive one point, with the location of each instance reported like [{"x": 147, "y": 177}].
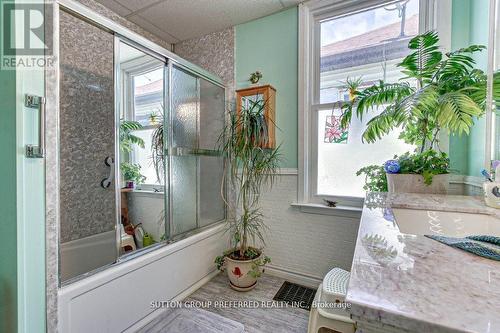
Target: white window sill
[{"x": 342, "y": 211}]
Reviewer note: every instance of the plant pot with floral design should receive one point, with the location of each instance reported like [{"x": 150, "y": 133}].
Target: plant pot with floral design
[{"x": 243, "y": 272}]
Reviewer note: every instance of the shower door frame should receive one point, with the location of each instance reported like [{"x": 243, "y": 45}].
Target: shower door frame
[{"x": 121, "y": 34}]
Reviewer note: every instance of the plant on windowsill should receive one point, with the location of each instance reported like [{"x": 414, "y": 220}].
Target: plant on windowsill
[
  {"x": 127, "y": 139},
  {"x": 250, "y": 168},
  {"x": 132, "y": 174},
  {"x": 448, "y": 95}
]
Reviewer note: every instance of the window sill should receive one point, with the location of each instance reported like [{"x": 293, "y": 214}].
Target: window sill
[
  {"x": 146, "y": 192},
  {"x": 342, "y": 211}
]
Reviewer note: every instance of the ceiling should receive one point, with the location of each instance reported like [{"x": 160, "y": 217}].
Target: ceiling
[{"x": 178, "y": 20}]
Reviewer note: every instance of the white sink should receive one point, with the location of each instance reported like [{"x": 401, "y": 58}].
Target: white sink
[{"x": 453, "y": 224}]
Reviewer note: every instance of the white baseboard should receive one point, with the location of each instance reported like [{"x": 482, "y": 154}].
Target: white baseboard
[
  {"x": 299, "y": 278},
  {"x": 184, "y": 294}
]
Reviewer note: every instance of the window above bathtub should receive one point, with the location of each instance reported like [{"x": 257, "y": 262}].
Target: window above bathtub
[
  {"x": 341, "y": 41},
  {"x": 142, "y": 100}
]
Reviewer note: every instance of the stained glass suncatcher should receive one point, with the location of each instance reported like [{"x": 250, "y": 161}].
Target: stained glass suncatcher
[{"x": 334, "y": 132}]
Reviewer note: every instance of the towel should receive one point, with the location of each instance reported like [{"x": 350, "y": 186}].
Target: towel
[{"x": 481, "y": 245}]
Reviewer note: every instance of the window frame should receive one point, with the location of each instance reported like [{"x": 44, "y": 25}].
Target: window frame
[
  {"x": 310, "y": 16},
  {"x": 128, "y": 72}
]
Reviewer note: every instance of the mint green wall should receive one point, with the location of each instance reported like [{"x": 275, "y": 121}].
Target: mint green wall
[
  {"x": 479, "y": 13},
  {"x": 8, "y": 220},
  {"x": 470, "y": 26},
  {"x": 458, "y": 148},
  {"x": 269, "y": 44}
]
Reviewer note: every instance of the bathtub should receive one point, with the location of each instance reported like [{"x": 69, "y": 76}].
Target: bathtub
[
  {"x": 86, "y": 254},
  {"x": 118, "y": 298}
]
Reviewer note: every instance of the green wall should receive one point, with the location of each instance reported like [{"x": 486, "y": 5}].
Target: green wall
[
  {"x": 459, "y": 147},
  {"x": 470, "y": 26},
  {"x": 269, "y": 44},
  {"x": 479, "y": 13},
  {"x": 8, "y": 216}
]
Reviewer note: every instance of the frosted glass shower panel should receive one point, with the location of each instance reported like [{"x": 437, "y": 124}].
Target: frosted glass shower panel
[
  {"x": 184, "y": 194},
  {"x": 212, "y": 207},
  {"x": 185, "y": 102},
  {"x": 211, "y": 114}
]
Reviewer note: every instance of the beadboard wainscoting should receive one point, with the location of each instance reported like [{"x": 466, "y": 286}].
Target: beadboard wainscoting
[{"x": 304, "y": 247}]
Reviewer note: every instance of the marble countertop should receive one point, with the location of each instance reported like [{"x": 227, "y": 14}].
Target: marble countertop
[{"x": 413, "y": 282}]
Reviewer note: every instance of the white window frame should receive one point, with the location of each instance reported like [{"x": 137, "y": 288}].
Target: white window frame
[
  {"x": 434, "y": 15},
  {"x": 128, "y": 71}
]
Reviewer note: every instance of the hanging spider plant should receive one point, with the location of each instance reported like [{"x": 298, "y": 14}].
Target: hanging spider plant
[{"x": 158, "y": 151}]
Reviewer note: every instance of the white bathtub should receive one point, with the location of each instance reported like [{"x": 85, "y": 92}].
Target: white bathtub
[
  {"x": 119, "y": 298},
  {"x": 86, "y": 254}
]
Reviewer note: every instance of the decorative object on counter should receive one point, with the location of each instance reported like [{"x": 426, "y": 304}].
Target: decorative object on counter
[
  {"x": 484, "y": 246},
  {"x": 448, "y": 95},
  {"x": 392, "y": 166},
  {"x": 486, "y": 175},
  {"x": 492, "y": 194},
  {"x": 255, "y": 77},
  {"x": 262, "y": 100},
  {"x": 250, "y": 168},
  {"x": 132, "y": 174}
]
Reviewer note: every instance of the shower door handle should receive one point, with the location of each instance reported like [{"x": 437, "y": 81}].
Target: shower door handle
[
  {"x": 37, "y": 102},
  {"x": 106, "y": 182}
]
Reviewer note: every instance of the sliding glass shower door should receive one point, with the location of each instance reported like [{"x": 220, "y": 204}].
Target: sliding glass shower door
[
  {"x": 139, "y": 164},
  {"x": 197, "y": 118}
]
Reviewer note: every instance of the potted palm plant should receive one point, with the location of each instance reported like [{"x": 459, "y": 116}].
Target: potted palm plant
[
  {"x": 250, "y": 168},
  {"x": 440, "y": 91}
]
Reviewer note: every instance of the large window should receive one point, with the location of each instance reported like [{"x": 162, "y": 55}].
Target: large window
[
  {"x": 361, "y": 42},
  {"x": 368, "y": 51},
  {"x": 143, "y": 87}
]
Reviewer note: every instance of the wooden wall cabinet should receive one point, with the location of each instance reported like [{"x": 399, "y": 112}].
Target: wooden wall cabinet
[{"x": 267, "y": 94}]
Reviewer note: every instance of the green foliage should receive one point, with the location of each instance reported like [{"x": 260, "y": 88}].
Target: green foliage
[
  {"x": 250, "y": 167},
  {"x": 428, "y": 164},
  {"x": 449, "y": 94},
  {"x": 132, "y": 172},
  {"x": 257, "y": 266},
  {"x": 127, "y": 139},
  {"x": 375, "y": 179}
]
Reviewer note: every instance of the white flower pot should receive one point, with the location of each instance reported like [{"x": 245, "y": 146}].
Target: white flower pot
[
  {"x": 412, "y": 183},
  {"x": 238, "y": 272}
]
